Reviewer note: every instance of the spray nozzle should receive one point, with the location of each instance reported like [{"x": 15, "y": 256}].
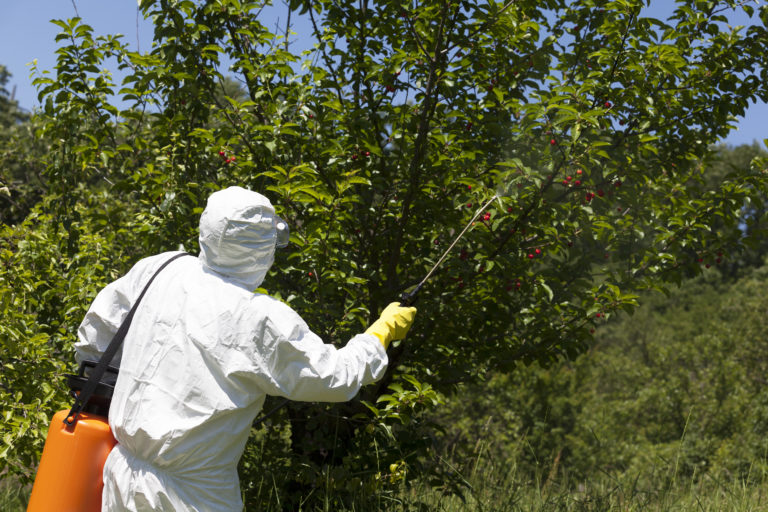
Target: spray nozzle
[{"x": 409, "y": 298}]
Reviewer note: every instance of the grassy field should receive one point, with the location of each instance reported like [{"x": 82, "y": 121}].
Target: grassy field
[
  {"x": 495, "y": 490},
  {"x": 13, "y": 497},
  {"x": 605, "y": 495}
]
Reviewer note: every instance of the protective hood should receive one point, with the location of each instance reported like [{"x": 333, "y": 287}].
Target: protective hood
[{"x": 238, "y": 235}]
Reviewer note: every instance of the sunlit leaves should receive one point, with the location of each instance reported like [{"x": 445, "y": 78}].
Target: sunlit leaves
[{"x": 592, "y": 123}]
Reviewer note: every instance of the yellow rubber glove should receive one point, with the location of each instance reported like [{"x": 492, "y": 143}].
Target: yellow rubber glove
[{"x": 393, "y": 324}]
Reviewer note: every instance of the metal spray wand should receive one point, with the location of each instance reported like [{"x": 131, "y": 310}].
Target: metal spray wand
[{"x": 408, "y": 298}]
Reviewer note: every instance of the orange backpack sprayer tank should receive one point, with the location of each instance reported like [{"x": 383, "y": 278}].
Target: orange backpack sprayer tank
[
  {"x": 70, "y": 476},
  {"x": 70, "y": 473}
]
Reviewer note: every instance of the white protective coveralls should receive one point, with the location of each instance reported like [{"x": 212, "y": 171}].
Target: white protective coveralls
[{"x": 202, "y": 353}]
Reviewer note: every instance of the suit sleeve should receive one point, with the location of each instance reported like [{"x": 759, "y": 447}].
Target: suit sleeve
[{"x": 295, "y": 363}]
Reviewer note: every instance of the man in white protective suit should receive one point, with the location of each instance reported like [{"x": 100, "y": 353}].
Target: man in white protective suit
[{"x": 202, "y": 353}]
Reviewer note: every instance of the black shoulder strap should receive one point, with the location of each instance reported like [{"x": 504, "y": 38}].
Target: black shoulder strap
[{"x": 98, "y": 371}]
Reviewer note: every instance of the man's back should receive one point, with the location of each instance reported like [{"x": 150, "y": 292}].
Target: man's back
[
  {"x": 202, "y": 353},
  {"x": 199, "y": 359},
  {"x": 185, "y": 379}
]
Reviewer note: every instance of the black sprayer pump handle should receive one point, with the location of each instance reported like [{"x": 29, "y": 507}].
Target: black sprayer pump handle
[{"x": 408, "y": 299}]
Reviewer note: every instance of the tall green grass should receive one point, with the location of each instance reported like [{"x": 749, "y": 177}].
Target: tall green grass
[
  {"x": 13, "y": 497},
  {"x": 500, "y": 489},
  {"x": 505, "y": 490}
]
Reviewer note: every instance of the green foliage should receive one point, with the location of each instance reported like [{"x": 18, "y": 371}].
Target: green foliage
[
  {"x": 20, "y": 183},
  {"x": 13, "y": 497},
  {"x": 44, "y": 293},
  {"x": 361, "y": 472},
  {"x": 671, "y": 394},
  {"x": 10, "y": 113},
  {"x": 378, "y": 145},
  {"x": 699, "y": 384}
]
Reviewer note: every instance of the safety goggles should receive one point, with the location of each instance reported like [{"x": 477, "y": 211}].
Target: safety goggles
[{"x": 283, "y": 233}]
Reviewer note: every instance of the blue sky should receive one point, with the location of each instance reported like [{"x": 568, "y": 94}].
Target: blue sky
[{"x": 26, "y": 34}]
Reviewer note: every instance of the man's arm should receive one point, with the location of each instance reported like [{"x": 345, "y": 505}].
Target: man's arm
[{"x": 293, "y": 362}]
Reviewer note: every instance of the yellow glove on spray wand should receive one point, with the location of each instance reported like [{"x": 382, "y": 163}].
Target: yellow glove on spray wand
[{"x": 393, "y": 324}]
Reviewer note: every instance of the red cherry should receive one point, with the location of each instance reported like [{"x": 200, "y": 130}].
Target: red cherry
[
  {"x": 469, "y": 205},
  {"x": 530, "y": 256},
  {"x": 221, "y": 153},
  {"x": 618, "y": 183},
  {"x": 487, "y": 217},
  {"x": 310, "y": 274},
  {"x": 578, "y": 171},
  {"x": 607, "y": 104},
  {"x": 469, "y": 187},
  {"x": 538, "y": 251},
  {"x": 552, "y": 142},
  {"x": 577, "y": 182},
  {"x": 598, "y": 315},
  {"x": 367, "y": 153},
  {"x": 232, "y": 158},
  {"x": 600, "y": 193},
  {"x": 509, "y": 209}
]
